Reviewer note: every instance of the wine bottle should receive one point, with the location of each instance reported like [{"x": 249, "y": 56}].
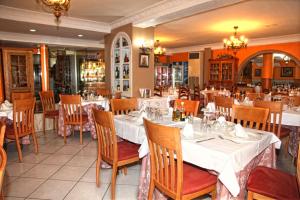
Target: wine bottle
[{"x": 182, "y": 112}]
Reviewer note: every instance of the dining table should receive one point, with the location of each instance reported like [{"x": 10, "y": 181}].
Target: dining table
[
  {"x": 156, "y": 101},
  {"x": 230, "y": 158},
  {"x": 87, "y": 106}
]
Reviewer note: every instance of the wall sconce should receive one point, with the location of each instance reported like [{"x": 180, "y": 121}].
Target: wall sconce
[{"x": 145, "y": 46}]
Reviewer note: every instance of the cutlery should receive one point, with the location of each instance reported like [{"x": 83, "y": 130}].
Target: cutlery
[
  {"x": 198, "y": 141},
  {"x": 221, "y": 137}
]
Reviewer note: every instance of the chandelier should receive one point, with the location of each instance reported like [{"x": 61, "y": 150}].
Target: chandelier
[
  {"x": 57, "y": 6},
  {"x": 234, "y": 42},
  {"x": 158, "y": 50}
]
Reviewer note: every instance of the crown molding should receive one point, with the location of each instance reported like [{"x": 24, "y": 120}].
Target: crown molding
[
  {"x": 52, "y": 40},
  {"x": 17, "y": 14},
  {"x": 169, "y": 10},
  {"x": 252, "y": 42}
]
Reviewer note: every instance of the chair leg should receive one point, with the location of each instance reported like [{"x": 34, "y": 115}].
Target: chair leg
[
  {"x": 36, "y": 146},
  {"x": 113, "y": 181},
  {"x": 124, "y": 170},
  {"x": 250, "y": 195},
  {"x": 81, "y": 134},
  {"x": 214, "y": 194},
  {"x": 65, "y": 137},
  {"x": 53, "y": 123},
  {"x": 56, "y": 119},
  {"x": 19, "y": 149},
  {"x": 98, "y": 170},
  {"x": 151, "y": 189}
]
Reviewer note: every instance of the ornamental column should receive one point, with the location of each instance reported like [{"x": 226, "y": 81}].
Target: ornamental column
[
  {"x": 267, "y": 71},
  {"x": 44, "y": 67}
]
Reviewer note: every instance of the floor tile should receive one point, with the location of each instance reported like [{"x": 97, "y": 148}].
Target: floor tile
[
  {"x": 132, "y": 177},
  {"x": 90, "y": 175},
  {"x": 88, "y": 152},
  {"x": 69, "y": 173},
  {"x": 69, "y": 149},
  {"x": 9, "y": 179},
  {"x": 87, "y": 191},
  {"x": 22, "y": 187},
  {"x": 16, "y": 169},
  {"x": 57, "y": 159},
  {"x": 49, "y": 148},
  {"x": 35, "y": 158},
  {"x": 14, "y": 198},
  {"x": 81, "y": 161},
  {"x": 123, "y": 192},
  {"x": 53, "y": 189},
  {"x": 41, "y": 171}
]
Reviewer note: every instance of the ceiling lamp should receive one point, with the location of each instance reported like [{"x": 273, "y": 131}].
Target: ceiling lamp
[
  {"x": 158, "y": 50},
  {"x": 235, "y": 43},
  {"x": 57, "y": 6}
]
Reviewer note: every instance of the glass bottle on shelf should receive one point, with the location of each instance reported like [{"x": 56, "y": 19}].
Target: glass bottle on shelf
[
  {"x": 124, "y": 72},
  {"x": 117, "y": 73},
  {"x": 117, "y": 58},
  {"x": 126, "y": 59}
]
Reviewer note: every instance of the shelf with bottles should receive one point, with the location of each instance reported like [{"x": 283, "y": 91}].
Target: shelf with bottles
[{"x": 92, "y": 71}]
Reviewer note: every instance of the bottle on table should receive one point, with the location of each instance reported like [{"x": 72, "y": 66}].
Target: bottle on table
[{"x": 182, "y": 112}]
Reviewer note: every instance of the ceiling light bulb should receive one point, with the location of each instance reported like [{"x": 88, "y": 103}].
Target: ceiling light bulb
[
  {"x": 80, "y": 35},
  {"x": 32, "y": 30}
]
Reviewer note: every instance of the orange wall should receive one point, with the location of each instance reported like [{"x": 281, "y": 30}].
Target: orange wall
[
  {"x": 178, "y": 57},
  {"x": 292, "y": 48}
]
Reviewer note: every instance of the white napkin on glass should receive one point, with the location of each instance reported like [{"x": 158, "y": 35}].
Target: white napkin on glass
[
  {"x": 221, "y": 120},
  {"x": 240, "y": 131},
  {"x": 211, "y": 107},
  {"x": 188, "y": 131},
  {"x": 236, "y": 102}
]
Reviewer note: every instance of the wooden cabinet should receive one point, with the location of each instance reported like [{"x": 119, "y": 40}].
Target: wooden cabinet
[
  {"x": 223, "y": 72},
  {"x": 18, "y": 71}
]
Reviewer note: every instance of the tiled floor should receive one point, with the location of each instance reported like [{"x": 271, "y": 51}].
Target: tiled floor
[
  {"x": 68, "y": 172},
  {"x": 63, "y": 172}
]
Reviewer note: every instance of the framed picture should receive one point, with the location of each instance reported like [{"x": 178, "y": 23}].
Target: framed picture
[
  {"x": 287, "y": 71},
  {"x": 257, "y": 72},
  {"x": 144, "y": 60}
]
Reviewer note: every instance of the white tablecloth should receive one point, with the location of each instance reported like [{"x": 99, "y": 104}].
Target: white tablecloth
[
  {"x": 7, "y": 113},
  {"x": 223, "y": 156},
  {"x": 104, "y": 103},
  {"x": 155, "y": 101},
  {"x": 290, "y": 118}
]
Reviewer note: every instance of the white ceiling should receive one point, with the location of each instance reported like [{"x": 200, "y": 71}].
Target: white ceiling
[{"x": 255, "y": 18}]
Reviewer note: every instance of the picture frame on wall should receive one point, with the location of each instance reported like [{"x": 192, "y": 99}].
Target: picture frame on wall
[
  {"x": 257, "y": 72},
  {"x": 144, "y": 60},
  {"x": 287, "y": 71}
]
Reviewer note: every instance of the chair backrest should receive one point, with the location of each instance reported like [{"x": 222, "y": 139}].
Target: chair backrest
[
  {"x": 158, "y": 91},
  {"x": 165, "y": 145},
  {"x": 191, "y": 107},
  {"x": 255, "y": 96},
  {"x": 106, "y": 134},
  {"x": 224, "y": 105},
  {"x": 184, "y": 93},
  {"x": 123, "y": 106},
  {"x": 210, "y": 97},
  {"x": 72, "y": 109},
  {"x": 47, "y": 99},
  {"x": 298, "y": 166},
  {"x": 3, "y": 160},
  {"x": 104, "y": 92},
  {"x": 275, "y": 114},
  {"x": 196, "y": 95},
  {"x": 21, "y": 95},
  {"x": 251, "y": 117},
  {"x": 2, "y": 132},
  {"x": 118, "y": 95},
  {"x": 23, "y": 117}
]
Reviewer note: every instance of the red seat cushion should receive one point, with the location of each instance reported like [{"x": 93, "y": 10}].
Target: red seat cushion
[
  {"x": 273, "y": 183},
  {"x": 127, "y": 150},
  {"x": 52, "y": 113},
  {"x": 196, "y": 179}
]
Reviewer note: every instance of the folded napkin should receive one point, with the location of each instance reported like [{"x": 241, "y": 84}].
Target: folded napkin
[
  {"x": 211, "y": 107},
  {"x": 141, "y": 117},
  {"x": 100, "y": 97},
  {"x": 236, "y": 102},
  {"x": 221, "y": 120},
  {"x": 5, "y": 107},
  {"x": 240, "y": 131},
  {"x": 6, "y": 102},
  {"x": 188, "y": 131}
]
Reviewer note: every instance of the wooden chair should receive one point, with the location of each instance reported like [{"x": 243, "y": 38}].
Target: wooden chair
[
  {"x": 104, "y": 92},
  {"x": 23, "y": 123},
  {"x": 224, "y": 105},
  {"x": 275, "y": 117},
  {"x": 184, "y": 93},
  {"x": 123, "y": 106},
  {"x": 251, "y": 117},
  {"x": 3, "y": 160},
  {"x": 168, "y": 173},
  {"x": 49, "y": 111},
  {"x": 21, "y": 95},
  {"x": 118, "y": 95},
  {"x": 209, "y": 97},
  {"x": 117, "y": 154},
  {"x": 158, "y": 91},
  {"x": 73, "y": 114},
  {"x": 268, "y": 183},
  {"x": 190, "y": 107},
  {"x": 255, "y": 96},
  {"x": 196, "y": 95},
  {"x": 292, "y": 100}
]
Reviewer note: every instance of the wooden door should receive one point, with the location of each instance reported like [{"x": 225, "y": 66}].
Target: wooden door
[{"x": 18, "y": 71}]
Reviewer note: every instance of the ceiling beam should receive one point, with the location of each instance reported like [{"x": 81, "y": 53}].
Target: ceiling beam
[
  {"x": 23, "y": 15},
  {"x": 170, "y": 10},
  {"x": 36, "y": 39}
]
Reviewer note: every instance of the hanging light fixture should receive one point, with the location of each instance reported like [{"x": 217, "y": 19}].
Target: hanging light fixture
[
  {"x": 57, "y": 6},
  {"x": 158, "y": 50},
  {"x": 235, "y": 43}
]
